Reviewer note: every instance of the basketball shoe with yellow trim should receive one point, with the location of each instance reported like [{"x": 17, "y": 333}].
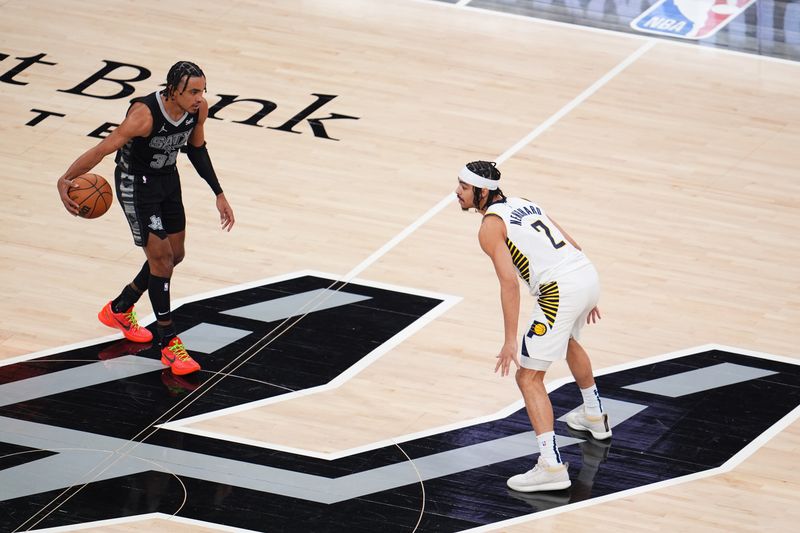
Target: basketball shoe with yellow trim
[
  {"x": 176, "y": 357},
  {"x": 125, "y": 322},
  {"x": 598, "y": 426},
  {"x": 543, "y": 476}
]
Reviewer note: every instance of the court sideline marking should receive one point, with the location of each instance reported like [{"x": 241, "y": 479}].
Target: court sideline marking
[{"x": 544, "y": 126}]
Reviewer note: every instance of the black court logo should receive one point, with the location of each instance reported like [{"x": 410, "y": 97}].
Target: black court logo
[{"x": 73, "y": 449}]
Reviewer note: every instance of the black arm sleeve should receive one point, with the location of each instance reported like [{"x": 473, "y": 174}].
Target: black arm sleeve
[{"x": 202, "y": 164}]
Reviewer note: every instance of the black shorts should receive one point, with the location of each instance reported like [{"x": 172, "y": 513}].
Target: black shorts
[{"x": 151, "y": 204}]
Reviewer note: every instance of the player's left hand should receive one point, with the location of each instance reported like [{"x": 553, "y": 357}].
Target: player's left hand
[
  {"x": 226, "y": 218},
  {"x": 507, "y": 355},
  {"x": 593, "y": 316}
]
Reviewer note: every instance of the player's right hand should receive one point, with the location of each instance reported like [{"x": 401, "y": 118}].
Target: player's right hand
[
  {"x": 64, "y": 186},
  {"x": 507, "y": 356}
]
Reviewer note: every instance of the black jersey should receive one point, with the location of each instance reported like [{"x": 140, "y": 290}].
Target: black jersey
[{"x": 155, "y": 154}]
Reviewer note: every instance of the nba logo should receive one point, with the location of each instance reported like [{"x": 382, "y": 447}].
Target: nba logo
[{"x": 689, "y": 19}]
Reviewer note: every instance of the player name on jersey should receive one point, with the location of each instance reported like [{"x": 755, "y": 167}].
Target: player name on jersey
[{"x": 518, "y": 214}]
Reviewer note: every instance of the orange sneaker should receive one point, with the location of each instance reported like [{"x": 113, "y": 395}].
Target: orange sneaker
[
  {"x": 175, "y": 356},
  {"x": 125, "y": 322}
]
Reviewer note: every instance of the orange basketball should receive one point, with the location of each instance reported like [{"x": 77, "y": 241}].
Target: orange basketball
[{"x": 93, "y": 195}]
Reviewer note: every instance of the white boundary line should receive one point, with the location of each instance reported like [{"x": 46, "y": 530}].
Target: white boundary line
[
  {"x": 399, "y": 237},
  {"x": 578, "y": 100},
  {"x": 591, "y": 29}
]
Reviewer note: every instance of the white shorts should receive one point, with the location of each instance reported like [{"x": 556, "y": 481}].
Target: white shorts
[{"x": 560, "y": 313}]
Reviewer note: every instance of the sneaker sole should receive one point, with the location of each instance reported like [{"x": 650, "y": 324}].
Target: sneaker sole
[
  {"x": 179, "y": 372},
  {"x": 596, "y": 434},
  {"x": 184, "y": 372},
  {"x": 556, "y": 485}
]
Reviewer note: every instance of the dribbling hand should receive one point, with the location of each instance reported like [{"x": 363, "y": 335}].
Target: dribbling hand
[{"x": 63, "y": 186}]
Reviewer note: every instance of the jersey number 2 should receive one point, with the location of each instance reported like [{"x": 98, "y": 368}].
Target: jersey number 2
[{"x": 539, "y": 224}]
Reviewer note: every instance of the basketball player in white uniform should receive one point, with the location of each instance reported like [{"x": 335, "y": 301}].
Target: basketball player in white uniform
[{"x": 523, "y": 242}]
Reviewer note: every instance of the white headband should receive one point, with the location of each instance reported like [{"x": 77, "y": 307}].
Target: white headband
[{"x": 468, "y": 176}]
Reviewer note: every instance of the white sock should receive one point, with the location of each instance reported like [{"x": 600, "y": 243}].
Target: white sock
[
  {"x": 548, "y": 448},
  {"x": 591, "y": 401}
]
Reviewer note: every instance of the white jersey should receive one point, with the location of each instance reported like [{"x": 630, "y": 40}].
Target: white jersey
[{"x": 538, "y": 248}]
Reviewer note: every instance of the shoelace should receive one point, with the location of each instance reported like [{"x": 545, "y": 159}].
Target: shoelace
[
  {"x": 179, "y": 350},
  {"x": 132, "y": 319}
]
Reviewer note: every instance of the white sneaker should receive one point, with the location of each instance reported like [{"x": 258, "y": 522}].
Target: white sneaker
[
  {"x": 543, "y": 476},
  {"x": 596, "y": 425}
]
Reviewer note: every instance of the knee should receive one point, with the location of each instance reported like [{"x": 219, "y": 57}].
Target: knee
[
  {"x": 520, "y": 377},
  {"x": 177, "y": 258},
  {"x": 162, "y": 265},
  {"x": 526, "y": 377}
]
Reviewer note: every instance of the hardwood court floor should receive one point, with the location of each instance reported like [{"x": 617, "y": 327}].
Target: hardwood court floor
[{"x": 677, "y": 174}]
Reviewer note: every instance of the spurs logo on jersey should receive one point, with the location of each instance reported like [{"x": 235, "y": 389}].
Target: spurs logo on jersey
[{"x": 155, "y": 223}]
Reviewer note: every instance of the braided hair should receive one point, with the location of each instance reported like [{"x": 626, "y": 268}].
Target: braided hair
[
  {"x": 179, "y": 71},
  {"x": 488, "y": 170}
]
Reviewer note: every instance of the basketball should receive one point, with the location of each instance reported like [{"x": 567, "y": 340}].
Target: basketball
[{"x": 93, "y": 195}]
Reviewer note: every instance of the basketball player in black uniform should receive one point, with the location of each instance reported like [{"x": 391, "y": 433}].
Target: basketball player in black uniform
[{"x": 148, "y": 188}]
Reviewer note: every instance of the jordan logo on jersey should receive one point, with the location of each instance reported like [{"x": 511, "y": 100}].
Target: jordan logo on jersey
[{"x": 689, "y": 19}]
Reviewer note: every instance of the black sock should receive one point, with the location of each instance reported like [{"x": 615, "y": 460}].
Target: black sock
[
  {"x": 166, "y": 333},
  {"x": 142, "y": 279},
  {"x": 131, "y": 294},
  {"x": 125, "y": 300},
  {"x": 158, "y": 290}
]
